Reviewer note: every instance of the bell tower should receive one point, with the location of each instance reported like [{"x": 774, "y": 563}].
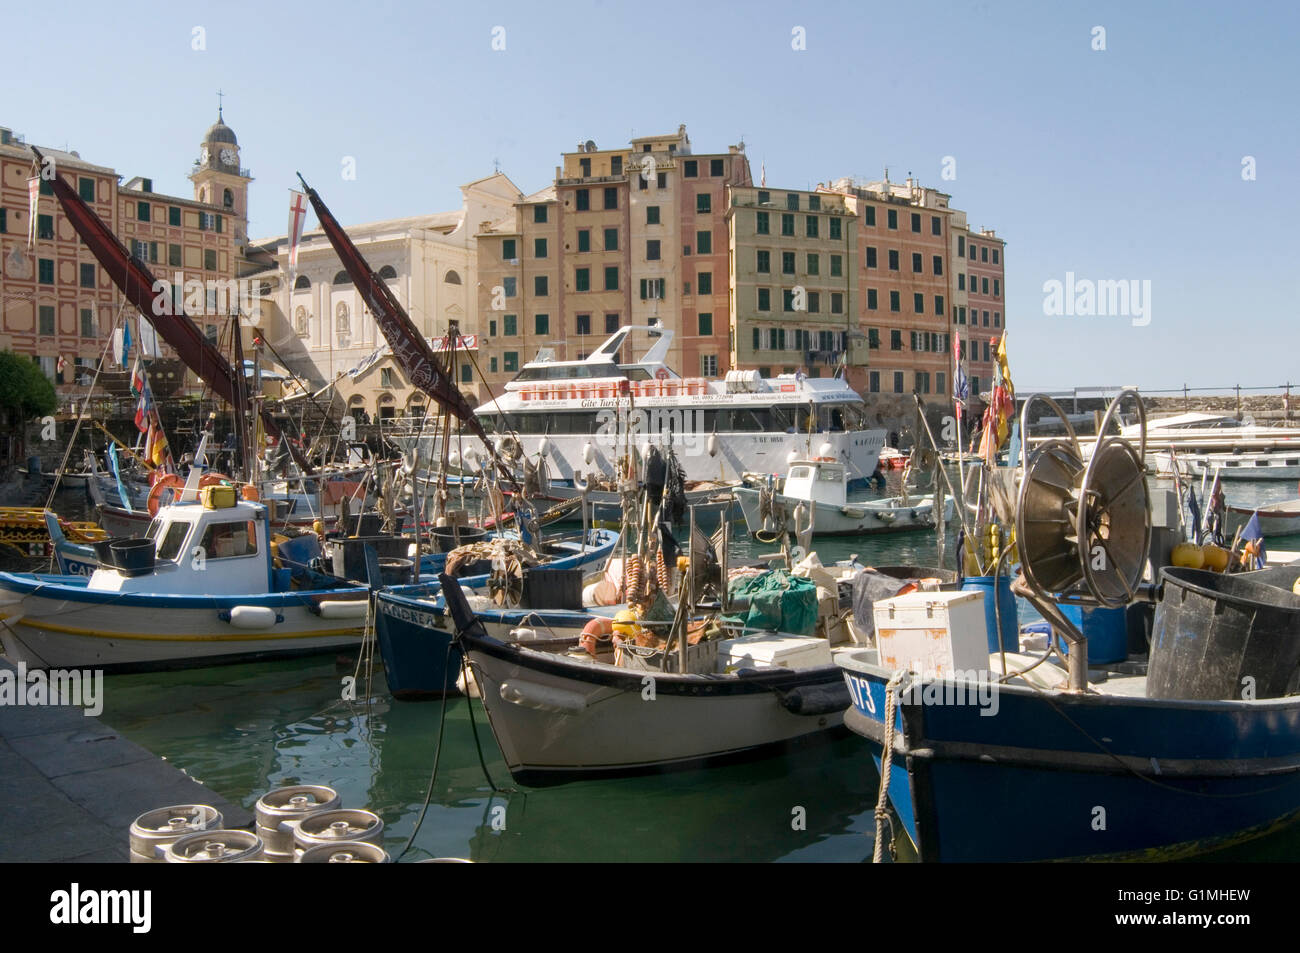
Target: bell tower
[{"x": 219, "y": 180}]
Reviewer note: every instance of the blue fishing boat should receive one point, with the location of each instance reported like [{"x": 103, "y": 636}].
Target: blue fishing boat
[{"x": 415, "y": 634}]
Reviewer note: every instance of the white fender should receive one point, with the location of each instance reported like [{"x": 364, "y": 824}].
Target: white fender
[
  {"x": 544, "y": 446},
  {"x": 826, "y": 450},
  {"x": 344, "y": 608},
  {"x": 588, "y": 453},
  {"x": 252, "y": 617},
  {"x": 542, "y": 697},
  {"x": 713, "y": 444},
  {"x": 791, "y": 457}
]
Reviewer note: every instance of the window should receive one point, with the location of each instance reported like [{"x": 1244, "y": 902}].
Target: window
[
  {"x": 652, "y": 214},
  {"x": 984, "y": 286},
  {"x": 88, "y": 329},
  {"x": 764, "y": 197},
  {"x": 961, "y": 315},
  {"x": 787, "y": 224},
  {"x": 142, "y": 211},
  {"x": 761, "y": 226},
  {"x": 210, "y": 259},
  {"x": 492, "y": 365},
  {"x": 916, "y": 263},
  {"x": 984, "y": 253},
  {"x": 705, "y": 323},
  {"x": 764, "y": 262},
  {"x": 174, "y": 256},
  {"x": 810, "y": 226},
  {"x": 510, "y": 360},
  {"x": 703, "y": 243},
  {"x": 938, "y": 305},
  {"x": 895, "y": 302},
  {"x": 616, "y": 165},
  {"x": 893, "y": 259},
  {"x": 961, "y": 245},
  {"x": 583, "y": 200},
  {"x": 814, "y": 265},
  {"x": 715, "y": 167},
  {"x": 686, "y": 287},
  {"x": 45, "y": 227},
  {"x": 45, "y": 324},
  {"x": 492, "y": 328},
  {"x": 997, "y": 319},
  {"x": 836, "y": 230},
  {"x": 871, "y": 256},
  {"x": 961, "y": 282},
  {"x": 787, "y": 300},
  {"x": 466, "y": 373},
  {"x": 539, "y": 246},
  {"x": 611, "y": 197},
  {"x": 764, "y": 299},
  {"x": 708, "y": 365},
  {"x": 4, "y": 220},
  {"x": 995, "y": 256},
  {"x": 997, "y": 288},
  {"x": 611, "y": 239},
  {"x": 986, "y": 321},
  {"x": 661, "y": 180},
  {"x": 792, "y": 201},
  {"x": 542, "y": 324},
  {"x": 871, "y": 299},
  {"x": 704, "y": 283},
  {"x": 869, "y": 215},
  {"x": 510, "y": 285},
  {"x": 814, "y": 302},
  {"x": 703, "y": 202},
  {"x": 895, "y": 340},
  {"x": 916, "y": 222},
  {"x": 898, "y": 382},
  {"x": 510, "y": 325},
  {"x": 653, "y": 288},
  {"x": 583, "y": 324},
  {"x": 787, "y": 263},
  {"x": 611, "y": 323},
  {"x": 173, "y": 215},
  {"x": 938, "y": 264},
  {"x": 936, "y": 227},
  {"x": 892, "y": 218},
  {"x": 918, "y": 303},
  {"x": 837, "y": 302},
  {"x": 652, "y": 250},
  {"x": 837, "y": 266},
  {"x": 874, "y": 382},
  {"x": 541, "y": 286},
  {"x": 584, "y": 239},
  {"x": 87, "y": 275},
  {"x": 508, "y": 252},
  {"x": 45, "y": 271},
  {"x": 584, "y": 166},
  {"x": 758, "y": 340},
  {"x": 873, "y": 338},
  {"x": 86, "y": 188},
  {"x": 611, "y": 278},
  {"x": 690, "y": 169},
  {"x": 972, "y": 251},
  {"x": 923, "y": 382}
]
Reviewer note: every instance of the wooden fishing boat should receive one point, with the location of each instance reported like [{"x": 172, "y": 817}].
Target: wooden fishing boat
[{"x": 1275, "y": 519}]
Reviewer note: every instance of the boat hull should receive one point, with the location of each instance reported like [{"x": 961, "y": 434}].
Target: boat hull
[
  {"x": 559, "y": 719},
  {"x": 1278, "y": 519},
  {"x": 1054, "y": 776},
  {"x": 853, "y": 519},
  {"x": 66, "y": 626}
]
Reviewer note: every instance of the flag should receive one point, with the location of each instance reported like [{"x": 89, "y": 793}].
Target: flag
[
  {"x": 137, "y": 377},
  {"x": 33, "y": 208},
  {"x": 126, "y": 341},
  {"x": 960, "y": 385},
  {"x": 1252, "y": 535},
  {"x": 149, "y": 339},
  {"x": 156, "y": 451},
  {"x": 762, "y": 178},
  {"x": 1002, "y": 406},
  {"x": 119, "y": 352},
  {"x": 369, "y": 361},
  {"x": 297, "y": 218},
  {"x": 142, "y": 408},
  {"x": 60, "y": 365}
]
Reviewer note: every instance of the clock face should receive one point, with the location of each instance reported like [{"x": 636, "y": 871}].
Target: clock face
[
  {"x": 203, "y": 155},
  {"x": 228, "y": 156}
]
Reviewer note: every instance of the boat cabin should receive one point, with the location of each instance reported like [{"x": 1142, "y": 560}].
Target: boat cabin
[
  {"x": 817, "y": 481},
  {"x": 197, "y": 549}
]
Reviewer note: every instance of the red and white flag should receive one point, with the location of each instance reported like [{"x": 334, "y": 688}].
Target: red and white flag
[
  {"x": 297, "y": 218},
  {"x": 33, "y": 206},
  {"x": 60, "y": 364}
]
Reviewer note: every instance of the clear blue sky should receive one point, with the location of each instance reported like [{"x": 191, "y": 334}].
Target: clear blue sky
[{"x": 1117, "y": 164}]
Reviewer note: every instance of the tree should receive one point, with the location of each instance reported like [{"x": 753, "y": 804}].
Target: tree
[{"x": 25, "y": 391}]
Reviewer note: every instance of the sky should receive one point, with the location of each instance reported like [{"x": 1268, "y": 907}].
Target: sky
[{"x": 1153, "y": 143}]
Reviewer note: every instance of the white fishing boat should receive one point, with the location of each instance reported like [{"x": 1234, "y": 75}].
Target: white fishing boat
[
  {"x": 202, "y": 586},
  {"x": 1275, "y": 519},
  {"x": 1201, "y": 433},
  {"x": 820, "y": 487},
  {"x": 1258, "y": 465},
  {"x": 580, "y": 417}
]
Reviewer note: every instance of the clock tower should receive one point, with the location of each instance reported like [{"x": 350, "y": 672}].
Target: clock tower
[{"x": 218, "y": 179}]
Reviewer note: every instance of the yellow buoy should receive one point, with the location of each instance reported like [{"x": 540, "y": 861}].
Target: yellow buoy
[
  {"x": 1188, "y": 555},
  {"x": 1215, "y": 557}
]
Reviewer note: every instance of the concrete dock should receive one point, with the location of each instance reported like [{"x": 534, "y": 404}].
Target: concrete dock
[{"x": 70, "y": 787}]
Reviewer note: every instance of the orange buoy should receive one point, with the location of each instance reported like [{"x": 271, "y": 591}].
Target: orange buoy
[
  {"x": 249, "y": 492},
  {"x": 169, "y": 482}
]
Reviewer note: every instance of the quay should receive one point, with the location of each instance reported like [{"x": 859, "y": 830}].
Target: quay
[{"x": 70, "y": 786}]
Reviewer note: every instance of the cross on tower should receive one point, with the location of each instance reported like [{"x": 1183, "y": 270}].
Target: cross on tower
[{"x": 219, "y": 95}]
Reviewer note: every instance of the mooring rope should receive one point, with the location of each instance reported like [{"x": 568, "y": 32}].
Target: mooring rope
[{"x": 883, "y": 819}]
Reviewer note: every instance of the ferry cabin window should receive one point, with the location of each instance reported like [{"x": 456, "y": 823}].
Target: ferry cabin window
[
  {"x": 152, "y": 531},
  {"x": 228, "y": 540},
  {"x": 170, "y": 547}
]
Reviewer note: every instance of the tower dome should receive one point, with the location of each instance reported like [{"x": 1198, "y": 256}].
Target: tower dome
[{"x": 220, "y": 132}]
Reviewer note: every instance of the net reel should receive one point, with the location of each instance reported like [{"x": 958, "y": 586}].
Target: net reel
[{"x": 1083, "y": 528}]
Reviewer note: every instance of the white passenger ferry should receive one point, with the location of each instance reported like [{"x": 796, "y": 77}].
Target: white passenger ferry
[{"x": 584, "y": 415}]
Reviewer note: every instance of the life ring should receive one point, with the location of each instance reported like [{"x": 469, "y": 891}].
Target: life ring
[
  {"x": 595, "y": 632},
  {"x": 661, "y": 374},
  {"x": 172, "y": 481}
]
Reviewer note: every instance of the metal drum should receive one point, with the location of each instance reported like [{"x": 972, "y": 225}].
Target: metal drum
[
  {"x": 278, "y": 812},
  {"x": 152, "y": 831},
  {"x": 216, "y": 847},
  {"x": 331, "y": 827},
  {"x": 347, "y": 852}
]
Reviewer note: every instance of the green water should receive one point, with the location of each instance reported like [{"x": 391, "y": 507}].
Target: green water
[{"x": 245, "y": 729}]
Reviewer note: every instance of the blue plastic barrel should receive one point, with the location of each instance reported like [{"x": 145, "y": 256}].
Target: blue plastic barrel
[
  {"x": 1106, "y": 630},
  {"x": 1006, "y": 606}
]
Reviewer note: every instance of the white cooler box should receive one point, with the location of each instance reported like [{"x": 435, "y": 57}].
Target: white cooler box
[
  {"x": 932, "y": 633},
  {"x": 772, "y": 650}
]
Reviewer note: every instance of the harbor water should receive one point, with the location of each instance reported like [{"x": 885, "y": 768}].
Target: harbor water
[{"x": 246, "y": 729}]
